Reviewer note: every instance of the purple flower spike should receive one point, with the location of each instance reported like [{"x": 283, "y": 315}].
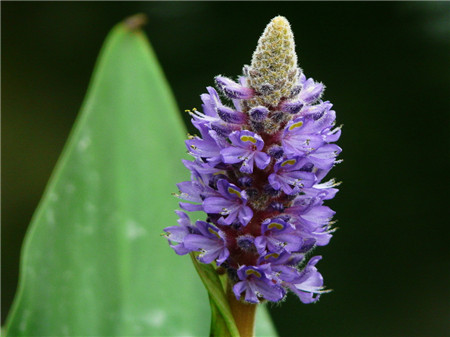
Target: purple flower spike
[
  {"x": 246, "y": 148},
  {"x": 210, "y": 241},
  {"x": 256, "y": 285},
  {"x": 233, "y": 89},
  {"x": 231, "y": 203},
  {"x": 259, "y": 161}
]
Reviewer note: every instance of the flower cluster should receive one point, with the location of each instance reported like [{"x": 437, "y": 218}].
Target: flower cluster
[{"x": 257, "y": 171}]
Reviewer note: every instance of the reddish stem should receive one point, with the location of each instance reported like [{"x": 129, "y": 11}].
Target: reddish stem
[{"x": 243, "y": 313}]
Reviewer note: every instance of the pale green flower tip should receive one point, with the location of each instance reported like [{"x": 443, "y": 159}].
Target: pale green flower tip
[{"x": 274, "y": 71}]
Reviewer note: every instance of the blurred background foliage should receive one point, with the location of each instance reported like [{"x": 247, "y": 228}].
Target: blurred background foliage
[{"x": 387, "y": 71}]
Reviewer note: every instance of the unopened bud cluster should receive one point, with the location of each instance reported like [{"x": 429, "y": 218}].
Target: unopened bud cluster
[{"x": 257, "y": 175}]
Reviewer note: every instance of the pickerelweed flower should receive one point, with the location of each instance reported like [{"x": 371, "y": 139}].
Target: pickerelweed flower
[{"x": 261, "y": 154}]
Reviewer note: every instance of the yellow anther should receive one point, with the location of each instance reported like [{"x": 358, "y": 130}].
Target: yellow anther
[
  {"x": 212, "y": 231},
  {"x": 248, "y": 139},
  {"x": 233, "y": 191},
  {"x": 254, "y": 272},
  {"x": 275, "y": 225},
  {"x": 274, "y": 255},
  {"x": 288, "y": 162},
  {"x": 296, "y": 125}
]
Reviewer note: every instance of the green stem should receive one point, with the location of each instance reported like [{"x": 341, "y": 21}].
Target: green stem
[{"x": 243, "y": 313}]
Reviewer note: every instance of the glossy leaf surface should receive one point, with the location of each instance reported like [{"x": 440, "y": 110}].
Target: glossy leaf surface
[{"x": 93, "y": 262}]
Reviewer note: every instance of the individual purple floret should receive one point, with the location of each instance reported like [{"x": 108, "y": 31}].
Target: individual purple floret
[
  {"x": 246, "y": 148},
  {"x": 255, "y": 284},
  {"x": 233, "y": 89},
  {"x": 231, "y": 203},
  {"x": 309, "y": 284},
  {"x": 177, "y": 234},
  {"x": 210, "y": 241},
  {"x": 277, "y": 236},
  {"x": 265, "y": 144},
  {"x": 289, "y": 177}
]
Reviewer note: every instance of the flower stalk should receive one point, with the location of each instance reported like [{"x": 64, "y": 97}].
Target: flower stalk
[{"x": 243, "y": 313}]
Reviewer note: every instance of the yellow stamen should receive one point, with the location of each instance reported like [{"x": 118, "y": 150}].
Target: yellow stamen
[
  {"x": 274, "y": 255},
  {"x": 296, "y": 125},
  {"x": 288, "y": 162},
  {"x": 275, "y": 225},
  {"x": 248, "y": 139},
  {"x": 212, "y": 231},
  {"x": 233, "y": 191},
  {"x": 254, "y": 272}
]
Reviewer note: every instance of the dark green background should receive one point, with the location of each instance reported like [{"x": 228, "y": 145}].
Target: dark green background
[{"x": 387, "y": 71}]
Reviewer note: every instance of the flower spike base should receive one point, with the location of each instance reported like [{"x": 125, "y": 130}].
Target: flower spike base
[{"x": 243, "y": 313}]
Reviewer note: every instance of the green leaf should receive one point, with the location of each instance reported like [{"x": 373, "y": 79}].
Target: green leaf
[{"x": 93, "y": 261}]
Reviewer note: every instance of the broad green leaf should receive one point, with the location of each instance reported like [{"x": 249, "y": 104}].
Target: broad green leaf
[{"x": 93, "y": 262}]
